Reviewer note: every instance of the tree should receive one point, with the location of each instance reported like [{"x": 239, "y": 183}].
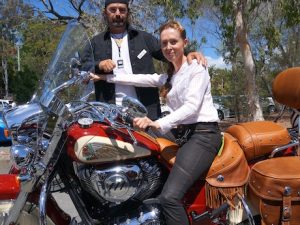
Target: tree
[
  {"x": 41, "y": 39},
  {"x": 89, "y": 13},
  {"x": 12, "y": 14},
  {"x": 242, "y": 30}
]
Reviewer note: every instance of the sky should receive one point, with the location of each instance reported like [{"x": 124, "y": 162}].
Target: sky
[{"x": 206, "y": 29}]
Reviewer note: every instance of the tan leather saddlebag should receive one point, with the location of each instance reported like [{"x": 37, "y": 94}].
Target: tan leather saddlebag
[
  {"x": 259, "y": 138},
  {"x": 274, "y": 190},
  {"x": 228, "y": 174}
]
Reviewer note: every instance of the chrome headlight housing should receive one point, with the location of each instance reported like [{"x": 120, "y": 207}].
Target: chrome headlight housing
[
  {"x": 26, "y": 123},
  {"x": 21, "y": 155}
]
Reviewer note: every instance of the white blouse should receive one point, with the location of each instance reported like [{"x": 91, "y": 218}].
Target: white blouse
[{"x": 189, "y": 99}]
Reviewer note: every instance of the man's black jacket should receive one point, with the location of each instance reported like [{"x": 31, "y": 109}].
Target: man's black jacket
[{"x": 137, "y": 42}]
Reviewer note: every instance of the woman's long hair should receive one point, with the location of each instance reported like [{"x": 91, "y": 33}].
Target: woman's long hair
[{"x": 170, "y": 71}]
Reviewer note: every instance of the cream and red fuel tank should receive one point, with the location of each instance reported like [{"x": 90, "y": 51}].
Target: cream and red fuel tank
[{"x": 100, "y": 143}]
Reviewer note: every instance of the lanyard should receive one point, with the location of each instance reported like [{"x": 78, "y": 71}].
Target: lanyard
[{"x": 119, "y": 43}]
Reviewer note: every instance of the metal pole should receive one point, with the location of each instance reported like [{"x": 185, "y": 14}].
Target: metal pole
[{"x": 19, "y": 64}]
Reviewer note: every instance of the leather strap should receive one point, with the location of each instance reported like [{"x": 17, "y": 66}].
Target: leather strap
[{"x": 286, "y": 210}]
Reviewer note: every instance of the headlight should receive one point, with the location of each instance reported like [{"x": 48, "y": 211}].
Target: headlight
[{"x": 21, "y": 155}]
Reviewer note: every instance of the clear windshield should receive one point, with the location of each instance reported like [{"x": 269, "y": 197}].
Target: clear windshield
[{"x": 73, "y": 54}]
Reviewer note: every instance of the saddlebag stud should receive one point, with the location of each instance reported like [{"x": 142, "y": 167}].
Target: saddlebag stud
[
  {"x": 287, "y": 191},
  {"x": 220, "y": 178}
]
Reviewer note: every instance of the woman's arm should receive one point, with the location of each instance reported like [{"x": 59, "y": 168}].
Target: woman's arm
[
  {"x": 198, "y": 84},
  {"x": 138, "y": 80}
]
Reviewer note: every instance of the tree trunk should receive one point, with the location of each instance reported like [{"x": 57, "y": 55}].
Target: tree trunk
[
  {"x": 249, "y": 66},
  {"x": 4, "y": 66}
]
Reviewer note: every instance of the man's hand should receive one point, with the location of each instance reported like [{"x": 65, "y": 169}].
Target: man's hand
[
  {"x": 107, "y": 65},
  {"x": 144, "y": 122},
  {"x": 198, "y": 56}
]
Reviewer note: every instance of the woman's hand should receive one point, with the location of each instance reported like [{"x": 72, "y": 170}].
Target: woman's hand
[
  {"x": 144, "y": 122},
  {"x": 96, "y": 77}
]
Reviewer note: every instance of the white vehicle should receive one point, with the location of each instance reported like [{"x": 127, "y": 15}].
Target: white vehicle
[{"x": 5, "y": 104}]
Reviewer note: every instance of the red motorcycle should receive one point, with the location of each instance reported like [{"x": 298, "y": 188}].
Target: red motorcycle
[{"x": 113, "y": 173}]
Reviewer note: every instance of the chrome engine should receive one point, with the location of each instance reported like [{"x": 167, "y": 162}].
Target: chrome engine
[
  {"x": 147, "y": 215},
  {"x": 117, "y": 184}
]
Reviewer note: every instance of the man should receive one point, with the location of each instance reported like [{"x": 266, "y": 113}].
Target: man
[{"x": 122, "y": 49}]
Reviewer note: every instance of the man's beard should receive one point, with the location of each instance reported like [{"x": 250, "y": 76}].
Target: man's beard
[{"x": 118, "y": 23}]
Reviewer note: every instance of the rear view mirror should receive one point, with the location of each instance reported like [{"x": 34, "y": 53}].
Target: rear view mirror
[{"x": 134, "y": 107}]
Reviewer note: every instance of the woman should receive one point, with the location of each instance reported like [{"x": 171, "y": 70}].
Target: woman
[{"x": 193, "y": 118}]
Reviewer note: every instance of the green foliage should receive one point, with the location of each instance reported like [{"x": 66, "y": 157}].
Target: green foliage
[
  {"x": 41, "y": 39},
  {"x": 272, "y": 36},
  {"x": 224, "y": 82},
  {"x": 193, "y": 11},
  {"x": 172, "y": 8},
  {"x": 24, "y": 84},
  {"x": 291, "y": 12}
]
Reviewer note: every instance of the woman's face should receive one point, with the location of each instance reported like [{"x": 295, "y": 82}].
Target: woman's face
[{"x": 172, "y": 44}]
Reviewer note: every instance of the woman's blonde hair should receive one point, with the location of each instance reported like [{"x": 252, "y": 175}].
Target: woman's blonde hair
[{"x": 170, "y": 71}]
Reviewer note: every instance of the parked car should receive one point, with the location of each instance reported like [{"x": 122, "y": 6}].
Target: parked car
[
  {"x": 268, "y": 105},
  {"x": 4, "y": 137},
  {"x": 4, "y": 104},
  {"x": 223, "y": 110}
]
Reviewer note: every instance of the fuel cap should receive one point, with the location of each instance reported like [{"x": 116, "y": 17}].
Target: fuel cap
[{"x": 85, "y": 122}]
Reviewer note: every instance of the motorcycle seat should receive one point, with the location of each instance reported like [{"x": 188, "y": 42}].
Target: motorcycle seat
[
  {"x": 259, "y": 138},
  {"x": 286, "y": 88}
]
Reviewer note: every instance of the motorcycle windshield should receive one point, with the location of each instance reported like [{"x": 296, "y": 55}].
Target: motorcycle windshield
[{"x": 73, "y": 55}]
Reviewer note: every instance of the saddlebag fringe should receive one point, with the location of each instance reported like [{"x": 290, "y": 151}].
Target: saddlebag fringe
[{"x": 216, "y": 196}]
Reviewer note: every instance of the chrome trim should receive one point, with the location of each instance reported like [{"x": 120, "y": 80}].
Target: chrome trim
[
  {"x": 281, "y": 148},
  {"x": 147, "y": 215},
  {"x": 31, "y": 178},
  {"x": 52, "y": 103},
  {"x": 85, "y": 122},
  {"x": 42, "y": 203},
  {"x": 247, "y": 210},
  {"x": 134, "y": 107},
  {"x": 15, "y": 117},
  {"x": 21, "y": 155},
  {"x": 116, "y": 184}
]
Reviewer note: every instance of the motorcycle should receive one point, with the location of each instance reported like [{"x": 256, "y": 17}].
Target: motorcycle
[{"x": 61, "y": 142}]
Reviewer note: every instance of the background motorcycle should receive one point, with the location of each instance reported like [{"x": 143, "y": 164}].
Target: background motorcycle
[{"x": 62, "y": 142}]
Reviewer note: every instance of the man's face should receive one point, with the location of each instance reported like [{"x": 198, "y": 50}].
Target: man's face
[{"x": 116, "y": 14}]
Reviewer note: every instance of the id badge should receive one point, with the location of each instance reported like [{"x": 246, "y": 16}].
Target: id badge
[{"x": 120, "y": 63}]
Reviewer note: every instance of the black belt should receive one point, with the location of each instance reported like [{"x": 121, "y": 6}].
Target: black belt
[
  {"x": 194, "y": 125},
  {"x": 184, "y": 131}
]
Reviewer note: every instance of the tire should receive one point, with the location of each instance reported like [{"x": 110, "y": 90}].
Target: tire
[{"x": 220, "y": 115}]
